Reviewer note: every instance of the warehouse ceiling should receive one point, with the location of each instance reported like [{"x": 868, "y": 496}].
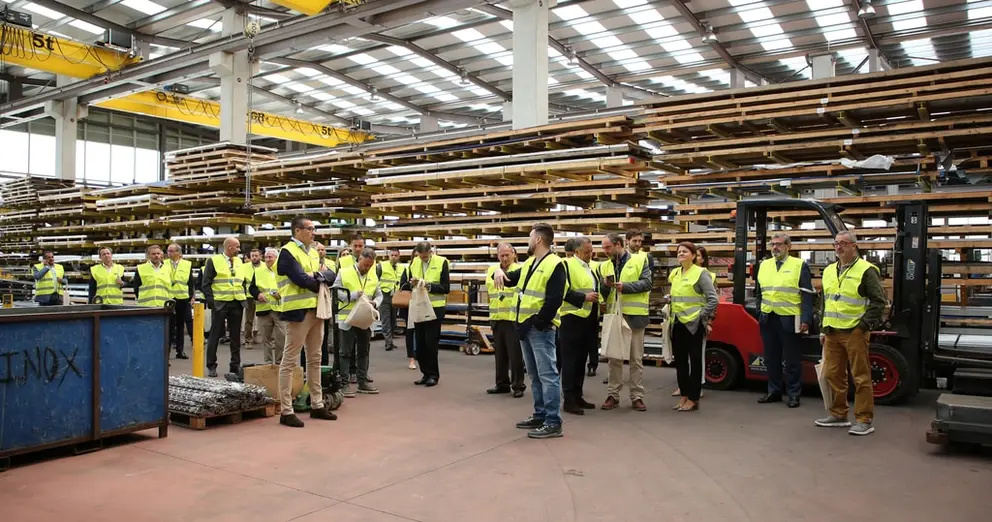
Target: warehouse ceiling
[{"x": 457, "y": 61}]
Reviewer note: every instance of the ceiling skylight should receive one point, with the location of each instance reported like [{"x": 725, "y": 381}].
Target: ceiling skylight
[
  {"x": 86, "y": 26},
  {"x": 144, "y": 6},
  {"x": 907, "y": 8},
  {"x": 43, "y": 11},
  {"x": 569, "y": 12}
]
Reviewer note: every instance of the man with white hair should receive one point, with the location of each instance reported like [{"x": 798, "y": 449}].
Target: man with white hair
[
  {"x": 264, "y": 290},
  {"x": 224, "y": 292}
]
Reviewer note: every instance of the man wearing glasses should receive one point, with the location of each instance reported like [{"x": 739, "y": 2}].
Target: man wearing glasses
[
  {"x": 785, "y": 301},
  {"x": 853, "y": 302}
]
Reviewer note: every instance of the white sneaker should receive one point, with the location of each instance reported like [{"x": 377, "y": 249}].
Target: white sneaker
[{"x": 833, "y": 422}]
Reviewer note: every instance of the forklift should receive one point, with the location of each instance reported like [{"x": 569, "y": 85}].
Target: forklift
[{"x": 907, "y": 353}]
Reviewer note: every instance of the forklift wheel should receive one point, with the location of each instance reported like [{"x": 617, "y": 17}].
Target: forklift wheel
[
  {"x": 721, "y": 367},
  {"x": 473, "y": 349},
  {"x": 890, "y": 375}
]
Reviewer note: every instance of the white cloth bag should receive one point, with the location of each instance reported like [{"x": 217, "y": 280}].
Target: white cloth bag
[
  {"x": 324, "y": 308},
  {"x": 421, "y": 310},
  {"x": 616, "y": 333},
  {"x": 666, "y": 336},
  {"x": 363, "y": 315},
  {"x": 825, "y": 390}
]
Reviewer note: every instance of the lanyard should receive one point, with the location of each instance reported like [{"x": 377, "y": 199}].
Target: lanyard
[{"x": 361, "y": 280}]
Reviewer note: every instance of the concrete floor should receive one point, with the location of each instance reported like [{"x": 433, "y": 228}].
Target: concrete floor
[{"x": 452, "y": 453}]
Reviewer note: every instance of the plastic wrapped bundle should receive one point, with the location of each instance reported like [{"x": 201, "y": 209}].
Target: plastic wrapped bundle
[{"x": 204, "y": 397}]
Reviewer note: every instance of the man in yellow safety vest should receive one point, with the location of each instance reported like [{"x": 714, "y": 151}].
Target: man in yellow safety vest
[
  {"x": 630, "y": 275},
  {"x": 785, "y": 302},
  {"x": 152, "y": 279},
  {"x": 49, "y": 281},
  {"x": 183, "y": 293},
  {"x": 580, "y": 325},
  {"x": 106, "y": 280},
  {"x": 223, "y": 290},
  {"x": 388, "y": 273},
  {"x": 540, "y": 282},
  {"x": 298, "y": 279},
  {"x": 503, "y": 322},
  {"x": 853, "y": 302},
  {"x": 352, "y": 283}
]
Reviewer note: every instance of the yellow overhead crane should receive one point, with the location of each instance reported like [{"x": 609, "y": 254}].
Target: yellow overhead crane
[
  {"x": 48, "y": 53},
  {"x": 312, "y": 7}
]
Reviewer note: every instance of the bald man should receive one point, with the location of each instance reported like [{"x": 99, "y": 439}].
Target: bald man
[{"x": 224, "y": 293}]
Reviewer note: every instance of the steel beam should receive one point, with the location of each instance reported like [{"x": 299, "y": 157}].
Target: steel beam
[{"x": 107, "y": 24}]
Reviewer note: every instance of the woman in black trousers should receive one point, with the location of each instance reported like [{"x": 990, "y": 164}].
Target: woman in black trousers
[{"x": 693, "y": 307}]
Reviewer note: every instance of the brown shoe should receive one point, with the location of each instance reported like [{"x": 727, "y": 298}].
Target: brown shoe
[
  {"x": 638, "y": 405},
  {"x": 610, "y": 403}
]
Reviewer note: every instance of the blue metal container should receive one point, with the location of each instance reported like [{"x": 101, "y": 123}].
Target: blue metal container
[{"x": 76, "y": 374}]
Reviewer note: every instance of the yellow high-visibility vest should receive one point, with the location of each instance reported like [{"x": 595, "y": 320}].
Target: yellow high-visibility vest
[
  {"x": 502, "y": 303},
  {"x": 532, "y": 296},
  {"x": 430, "y": 274},
  {"x": 780, "y": 286},
  {"x": 580, "y": 279},
  {"x": 630, "y": 304},
  {"x": 155, "y": 284},
  {"x": 45, "y": 285},
  {"x": 296, "y": 297},
  {"x": 180, "y": 279},
  {"x": 686, "y": 302},
  {"x": 106, "y": 283},
  {"x": 356, "y": 282},
  {"x": 390, "y": 277},
  {"x": 843, "y": 306},
  {"x": 227, "y": 286},
  {"x": 265, "y": 280}
]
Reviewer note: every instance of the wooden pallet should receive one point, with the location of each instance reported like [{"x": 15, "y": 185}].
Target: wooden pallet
[{"x": 203, "y": 422}]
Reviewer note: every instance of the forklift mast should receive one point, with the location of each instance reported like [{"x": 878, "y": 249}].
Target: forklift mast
[{"x": 915, "y": 312}]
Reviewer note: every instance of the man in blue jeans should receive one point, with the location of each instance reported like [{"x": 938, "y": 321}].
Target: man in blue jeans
[{"x": 541, "y": 284}]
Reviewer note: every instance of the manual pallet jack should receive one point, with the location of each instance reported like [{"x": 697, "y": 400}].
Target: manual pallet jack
[{"x": 476, "y": 341}]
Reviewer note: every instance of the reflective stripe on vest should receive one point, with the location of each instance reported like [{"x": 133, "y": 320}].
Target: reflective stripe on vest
[
  {"x": 180, "y": 279},
  {"x": 154, "y": 289},
  {"x": 843, "y": 306},
  {"x": 296, "y": 297},
  {"x": 45, "y": 285},
  {"x": 227, "y": 286},
  {"x": 532, "y": 296},
  {"x": 630, "y": 304},
  {"x": 390, "y": 277},
  {"x": 265, "y": 280},
  {"x": 106, "y": 283},
  {"x": 780, "y": 286},
  {"x": 580, "y": 279},
  {"x": 686, "y": 302},
  {"x": 355, "y": 282},
  {"x": 502, "y": 303},
  {"x": 431, "y": 275}
]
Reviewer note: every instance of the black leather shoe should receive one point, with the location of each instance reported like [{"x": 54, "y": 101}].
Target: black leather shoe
[
  {"x": 793, "y": 402},
  {"x": 767, "y": 398},
  {"x": 430, "y": 382},
  {"x": 584, "y": 404},
  {"x": 422, "y": 380},
  {"x": 518, "y": 394},
  {"x": 497, "y": 390},
  {"x": 573, "y": 408},
  {"x": 181, "y": 355}
]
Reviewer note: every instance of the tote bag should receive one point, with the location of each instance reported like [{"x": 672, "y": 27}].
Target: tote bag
[
  {"x": 363, "y": 315},
  {"x": 825, "y": 390},
  {"x": 324, "y": 310},
  {"x": 421, "y": 310},
  {"x": 666, "y": 336},
  {"x": 616, "y": 333}
]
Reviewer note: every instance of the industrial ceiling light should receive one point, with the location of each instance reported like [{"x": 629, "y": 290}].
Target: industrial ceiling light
[
  {"x": 573, "y": 58},
  {"x": 710, "y": 35},
  {"x": 867, "y": 10},
  {"x": 464, "y": 75},
  {"x": 374, "y": 94},
  {"x": 299, "y": 108}
]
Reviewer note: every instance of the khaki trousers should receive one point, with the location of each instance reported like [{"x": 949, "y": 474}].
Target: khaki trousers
[
  {"x": 841, "y": 349},
  {"x": 636, "y": 369},
  {"x": 272, "y": 336},
  {"x": 311, "y": 333}
]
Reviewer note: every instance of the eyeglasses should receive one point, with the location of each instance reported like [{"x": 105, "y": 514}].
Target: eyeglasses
[{"x": 842, "y": 243}]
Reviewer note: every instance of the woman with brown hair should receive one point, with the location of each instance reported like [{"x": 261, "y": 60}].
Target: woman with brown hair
[
  {"x": 702, "y": 259},
  {"x": 693, "y": 306}
]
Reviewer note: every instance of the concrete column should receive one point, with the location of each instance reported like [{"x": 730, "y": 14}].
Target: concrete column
[
  {"x": 614, "y": 97},
  {"x": 876, "y": 62},
  {"x": 66, "y": 114},
  {"x": 823, "y": 66},
  {"x": 737, "y": 79},
  {"x": 530, "y": 62},
  {"x": 234, "y": 72},
  {"x": 428, "y": 124},
  {"x": 507, "y": 111}
]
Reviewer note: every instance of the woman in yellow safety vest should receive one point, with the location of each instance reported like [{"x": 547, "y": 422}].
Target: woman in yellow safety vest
[
  {"x": 703, "y": 261},
  {"x": 693, "y": 307}
]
